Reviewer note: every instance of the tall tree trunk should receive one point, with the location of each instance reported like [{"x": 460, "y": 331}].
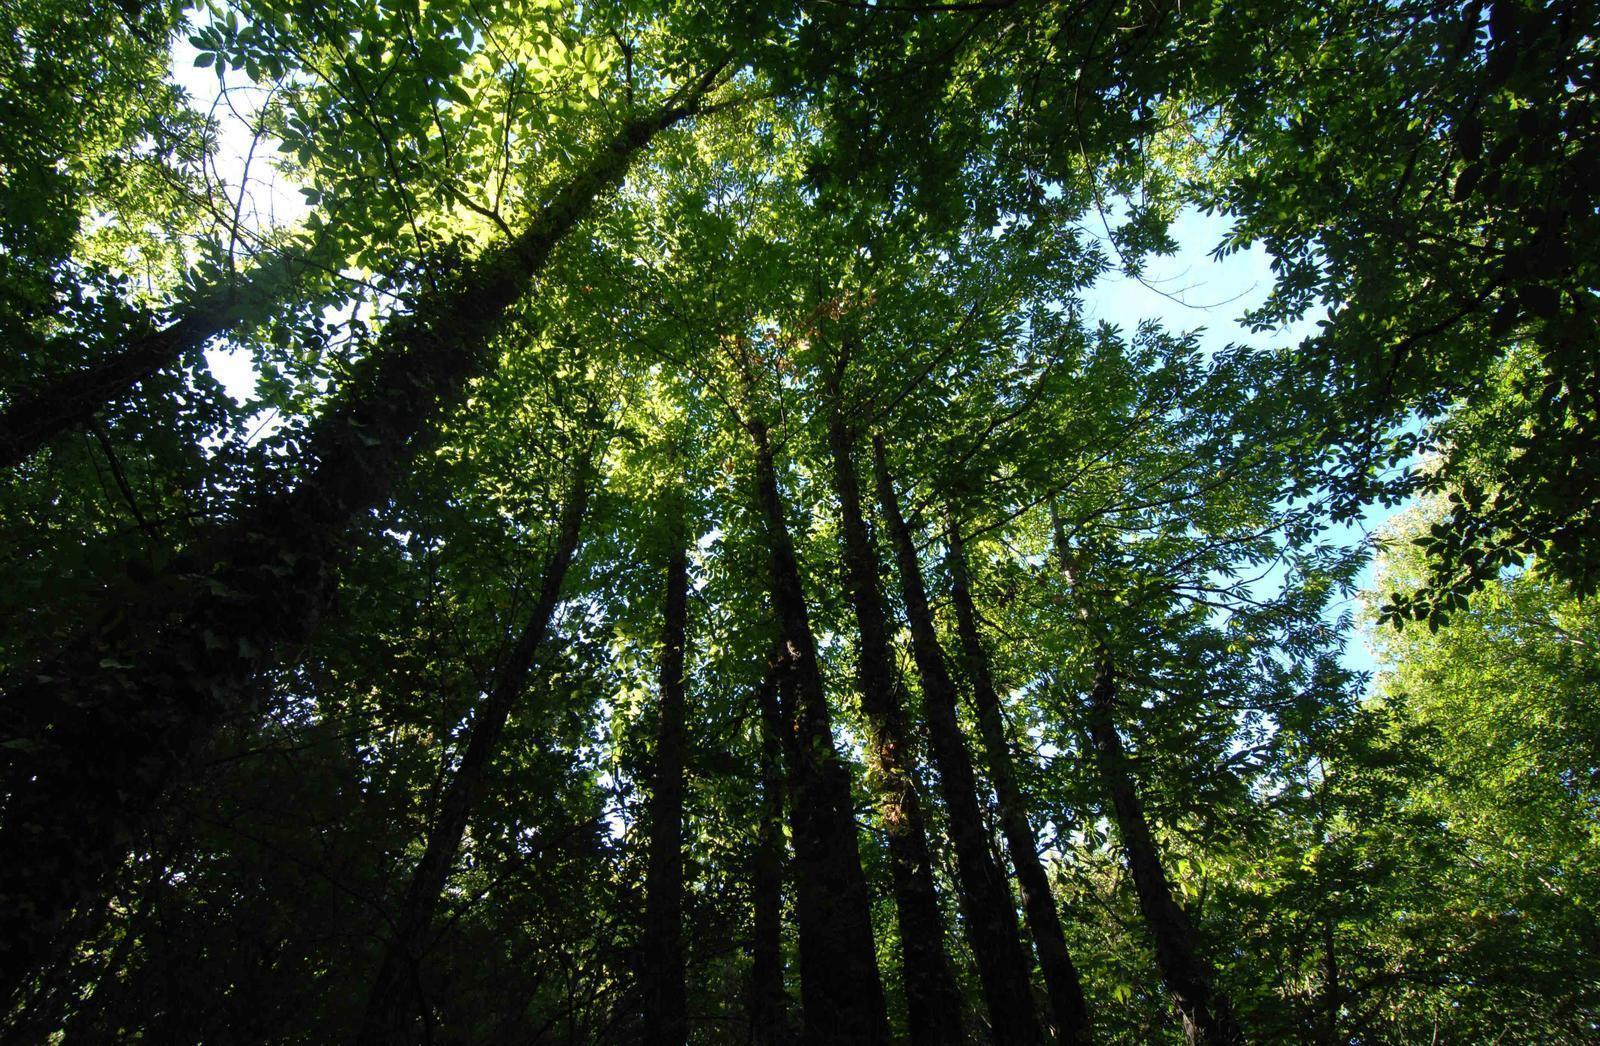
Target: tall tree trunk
[
  {"x": 1038, "y": 902},
  {"x": 991, "y": 922},
  {"x": 1207, "y": 1016},
  {"x": 393, "y": 1005},
  {"x": 665, "y": 994},
  {"x": 933, "y": 1002},
  {"x": 1332, "y": 991},
  {"x": 33, "y": 418},
  {"x": 768, "y": 1003},
  {"x": 92, "y": 738},
  {"x": 840, "y": 990}
]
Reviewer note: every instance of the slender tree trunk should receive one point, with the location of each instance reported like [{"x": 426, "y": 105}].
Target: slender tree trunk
[
  {"x": 768, "y": 1002},
  {"x": 1207, "y": 1016},
  {"x": 840, "y": 990},
  {"x": 393, "y": 1005},
  {"x": 1332, "y": 991},
  {"x": 933, "y": 1002},
  {"x": 665, "y": 994},
  {"x": 1038, "y": 902},
  {"x": 90, "y": 740},
  {"x": 991, "y": 921},
  {"x": 32, "y": 419}
]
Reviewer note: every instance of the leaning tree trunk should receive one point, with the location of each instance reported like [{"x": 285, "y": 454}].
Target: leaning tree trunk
[
  {"x": 840, "y": 990},
  {"x": 1207, "y": 1017},
  {"x": 991, "y": 922},
  {"x": 35, "y": 417},
  {"x": 768, "y": 1001},
  {"x": 933, "y": 1002},
  {"x": 662, "y": 976},
  {"x": 394, "y": 1004},
  {"x": 1038, "y": 902},
  {"x": 92, "y": 738}
]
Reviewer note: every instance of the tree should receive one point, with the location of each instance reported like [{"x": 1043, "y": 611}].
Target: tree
[
  {"x": 1038, "y": 900},
  {"x": 119, "y": 680},
  {"x": 768, "y": 1001},
  {"x": 986, "y": 899},
  {"x": 932, "y": 1003},
  {"x": 838, "y": 967},
  {"x": 663, "y": 974},
  {"x": 1451, "y": 237},
  {"x": 442, "y": 607},
  {"x": 390, "y": 1003}
]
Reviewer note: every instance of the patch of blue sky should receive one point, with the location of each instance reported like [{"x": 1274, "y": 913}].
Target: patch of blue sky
[{"x": 1189, "y": 290}]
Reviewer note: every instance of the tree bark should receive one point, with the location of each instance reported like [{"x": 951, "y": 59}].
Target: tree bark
[
  {"x": 991, "y": 921},
  {"x": 768, "y": 1001},
  {"x": 665, "y": 993},
  {"x": 933, "y": 1002},
  {"x": 840, "y": 990},
  {"x": 394, "y": 1005},
  {"x": 32, "y": 419},
  {"x": 1332, "y": 990},
  {"x": 91, "y": 739},
  {"x": 1207, "y": 1016},
  {"x": 1061, "y": 979}
]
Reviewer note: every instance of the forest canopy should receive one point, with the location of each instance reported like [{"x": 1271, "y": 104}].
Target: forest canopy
[{"x": 640, "y": 521}]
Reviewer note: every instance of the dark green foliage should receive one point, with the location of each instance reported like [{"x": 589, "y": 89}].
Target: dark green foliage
[{"x": 511, "y": 651}]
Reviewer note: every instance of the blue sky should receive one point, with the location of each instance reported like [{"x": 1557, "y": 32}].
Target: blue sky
[{"x": 1190, "y": 291}]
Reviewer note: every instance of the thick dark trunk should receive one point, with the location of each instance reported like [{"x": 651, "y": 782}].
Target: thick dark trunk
[
  {"x": 91, "y": 739},
  {"x": 933, "y": 1002},
  {"x": 840, "y": 990},
  {"x": 394, "y": 1005},
  {"x": 768, "y": 1001},
  {"x": 991, "y": 922},
  {"x": 32, "y": 419},
  {"x": 1207, "y": 1017},
  {"x": 1331, "y": 990},
  {"x": 1061, "y": 979},
  {"x": 662, "y": 976}
]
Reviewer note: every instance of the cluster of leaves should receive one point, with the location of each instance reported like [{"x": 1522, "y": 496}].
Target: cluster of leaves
[{"x": 884, "y": 210}]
